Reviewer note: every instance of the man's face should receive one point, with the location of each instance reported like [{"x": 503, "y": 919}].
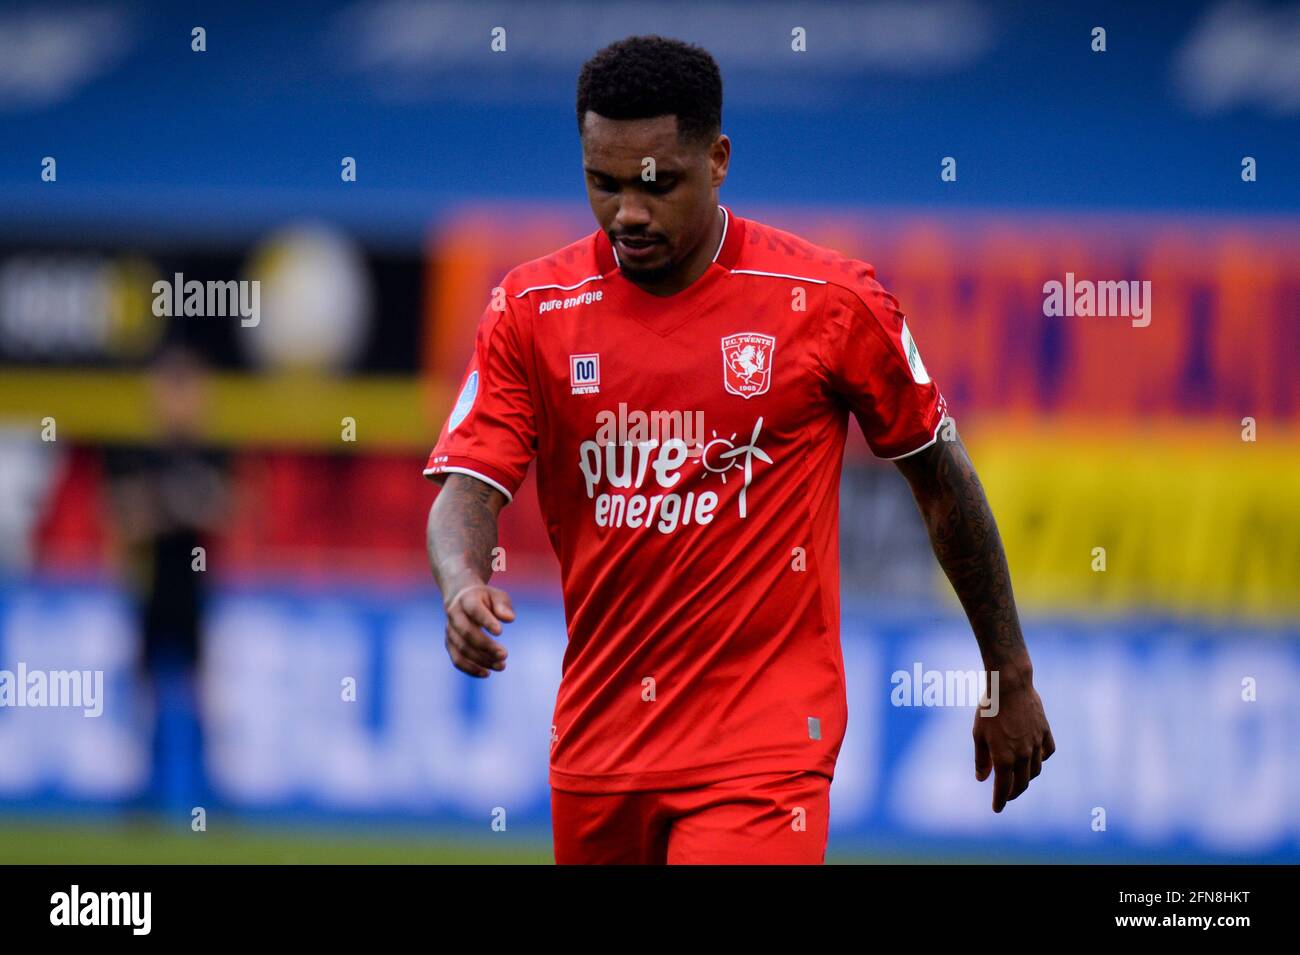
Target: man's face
[{"x": 654, "y": 224}]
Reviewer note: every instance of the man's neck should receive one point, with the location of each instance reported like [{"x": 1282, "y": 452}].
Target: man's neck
[{"x": 696, "y": 265}]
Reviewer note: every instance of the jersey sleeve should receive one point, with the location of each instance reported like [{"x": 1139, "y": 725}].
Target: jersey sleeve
[
  {"x": 491, "y": 431},
  {"x": 872, "y": 363}
]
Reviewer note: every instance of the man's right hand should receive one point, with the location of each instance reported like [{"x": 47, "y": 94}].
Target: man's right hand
[{"x": 471, "y": 610}]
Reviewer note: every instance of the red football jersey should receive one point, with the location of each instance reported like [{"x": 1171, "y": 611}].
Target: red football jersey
[{"x": 688, "y": 453}]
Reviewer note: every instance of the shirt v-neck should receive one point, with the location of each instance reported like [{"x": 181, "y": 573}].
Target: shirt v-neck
[{"x": 663, "y": 314}]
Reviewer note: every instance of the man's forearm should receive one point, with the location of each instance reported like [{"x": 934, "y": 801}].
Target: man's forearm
[
  {"x": 462, "y": 533},
  {"x": 967, "y": 544}
]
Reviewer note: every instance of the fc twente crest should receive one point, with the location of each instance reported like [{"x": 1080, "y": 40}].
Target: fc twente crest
[{"x": 747, "y": 363}]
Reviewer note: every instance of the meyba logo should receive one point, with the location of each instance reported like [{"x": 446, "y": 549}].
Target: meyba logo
[
  {"x": 584, "y": 374},
  {"x": 464, "y": 402},
  {"x": 919, "y": 374}
]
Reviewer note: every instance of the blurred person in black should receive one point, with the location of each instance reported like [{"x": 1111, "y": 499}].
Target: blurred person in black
[{"x": 167, "y": 498}]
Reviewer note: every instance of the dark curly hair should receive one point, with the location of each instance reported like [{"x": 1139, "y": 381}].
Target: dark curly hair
[{"x": 646, "y": 76}]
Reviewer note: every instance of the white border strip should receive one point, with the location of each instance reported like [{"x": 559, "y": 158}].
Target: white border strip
[{"x": 429, "y": 472}]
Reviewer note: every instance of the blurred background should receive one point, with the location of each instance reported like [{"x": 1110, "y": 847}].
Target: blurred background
[{"x": 226, "y": 520}]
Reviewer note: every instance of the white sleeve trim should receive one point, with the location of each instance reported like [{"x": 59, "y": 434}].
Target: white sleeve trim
[
  {"x": 561, "y": 288},
  {"x": 908, "y": 454},
  {"x": 429, "y": 472}
]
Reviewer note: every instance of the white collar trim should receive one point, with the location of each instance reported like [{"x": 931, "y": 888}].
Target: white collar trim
[{"x": 726, "y": 221}]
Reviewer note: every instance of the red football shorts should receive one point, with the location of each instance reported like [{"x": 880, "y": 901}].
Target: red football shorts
[{"x": 772, "y": 818}]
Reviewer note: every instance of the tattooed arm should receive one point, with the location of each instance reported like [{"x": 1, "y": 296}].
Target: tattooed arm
[
  {"x": 1015, "y": 739},
  {"x": 967, "y": 544},
  {"x": 460, "y": 537}
]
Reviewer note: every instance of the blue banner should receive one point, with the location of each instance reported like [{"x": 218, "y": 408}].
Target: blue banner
[{"x": 1176, "y": 738}]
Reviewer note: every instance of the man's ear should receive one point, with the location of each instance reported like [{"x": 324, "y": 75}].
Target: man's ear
[{"x": 720, "y": 159}]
